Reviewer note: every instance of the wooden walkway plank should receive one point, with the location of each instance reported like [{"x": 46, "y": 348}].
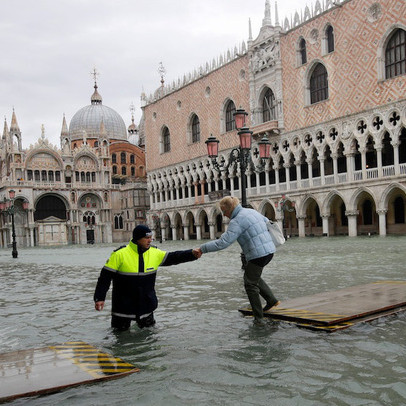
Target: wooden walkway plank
[
  {"x": 342, "y": 308},
  {"x": 35, "y": 372}
]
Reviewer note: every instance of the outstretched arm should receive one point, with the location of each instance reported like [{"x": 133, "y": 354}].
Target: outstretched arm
[{"x": 178, "y": 257}]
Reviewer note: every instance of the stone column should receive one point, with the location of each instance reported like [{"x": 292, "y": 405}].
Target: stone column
[
  {"x": 298, "y": 174},
  {"x": 248, "y": 175},
  {"x": 310, "y": 170},
  {"x": 350, "y": 167},
  {"x": 186, "y": 232},
  {"x": 212, "y": 231},
  {"x": 163, "y": 233},
  {"x": 322, "y": 170},
  {"x": 382, "y": 221},
  {"x": 202, "y": 183},
  {"x": 335, "y": 168},
  {"x": 174, "y": 233},
  {"x": 364, "y": 164},
  {"x": 189, "y": 189},
  {"x": 258, "y": 183},
  {"x": 396, "y": 158},
  {"x": 198, "y": 232},
  {"x": 31, "y": 236},
  {"x": 276, "y": 169},
  {"x": 287, "y": 174},
  {"x": 301, "y": 225},
  {"x": 325, "y": 219},
  {"x": 267, "y": 179},
  {"x": 352, "y": 222},
  {"x": 379, "y": 160}
]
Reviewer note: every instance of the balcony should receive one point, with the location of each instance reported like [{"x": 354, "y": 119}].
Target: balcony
[{"x": 268, "y": 128}]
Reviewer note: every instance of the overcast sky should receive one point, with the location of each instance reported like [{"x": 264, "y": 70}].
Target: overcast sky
[{"x": 50, "y": 47}]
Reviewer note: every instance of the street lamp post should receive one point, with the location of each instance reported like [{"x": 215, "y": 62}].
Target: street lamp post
[
  {"x": 7, "y": 206},
  {"x": 240, "y": 154}
]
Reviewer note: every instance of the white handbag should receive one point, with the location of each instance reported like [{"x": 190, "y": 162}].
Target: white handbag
[{"x": 276, "y": 233}]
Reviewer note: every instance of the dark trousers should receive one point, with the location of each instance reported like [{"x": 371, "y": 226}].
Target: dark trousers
[
  {"x": 255, "y": 287},
  {"x": 124, "y": 323}
]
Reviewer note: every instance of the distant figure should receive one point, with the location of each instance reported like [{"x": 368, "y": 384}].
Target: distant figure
[
  {"x": 249, "y": 228},
  {"x": 132, "y": 268}
]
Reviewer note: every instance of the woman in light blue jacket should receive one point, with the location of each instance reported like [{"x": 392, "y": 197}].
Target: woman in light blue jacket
[{"x": 249, "y": 228}]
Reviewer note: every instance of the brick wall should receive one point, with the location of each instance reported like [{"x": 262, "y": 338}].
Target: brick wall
[
  {"x": 175, "y": 110},
  {"x": 352, "y": 67}
]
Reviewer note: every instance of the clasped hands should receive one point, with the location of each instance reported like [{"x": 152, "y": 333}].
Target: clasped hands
[{"x": 197, "y": 252}]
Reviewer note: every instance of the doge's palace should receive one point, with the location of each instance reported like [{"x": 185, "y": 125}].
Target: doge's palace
[{"x": 327, "y": 88}]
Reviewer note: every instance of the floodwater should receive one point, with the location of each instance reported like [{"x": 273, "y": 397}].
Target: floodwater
[{"x": 202, "y": 351}]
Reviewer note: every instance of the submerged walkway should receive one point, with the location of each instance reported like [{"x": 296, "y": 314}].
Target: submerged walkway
[
  {"x": 343, "y": 308},
  {"x": 38, "y": 371}
]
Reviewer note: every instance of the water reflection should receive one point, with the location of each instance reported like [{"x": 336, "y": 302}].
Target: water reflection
[{"x": 201, "y": 350}]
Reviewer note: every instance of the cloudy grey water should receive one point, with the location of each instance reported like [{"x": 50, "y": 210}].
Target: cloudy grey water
[{"x": 202, "y": 351}]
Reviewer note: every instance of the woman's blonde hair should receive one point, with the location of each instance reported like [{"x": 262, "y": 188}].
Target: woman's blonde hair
[{"x": 229, "y": 203}]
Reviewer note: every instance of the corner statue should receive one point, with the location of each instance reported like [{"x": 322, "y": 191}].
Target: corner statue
[{"x": 133, "y": 271}]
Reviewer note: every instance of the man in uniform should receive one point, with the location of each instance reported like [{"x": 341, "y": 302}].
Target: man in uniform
[{"x": 132, "y": 268}]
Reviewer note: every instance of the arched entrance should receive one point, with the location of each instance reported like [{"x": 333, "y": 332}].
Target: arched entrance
[
  {"x": 396, "y": 215},
  {"x": 338, "y": 222},
  {"x": 50, "y": 220},
  {"x": 367, "y": 218}
]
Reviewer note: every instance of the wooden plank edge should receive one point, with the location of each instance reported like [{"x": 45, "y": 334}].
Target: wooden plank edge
[
  {"x": 332, "y": 327},
  {"x": 63, "y": 387}
]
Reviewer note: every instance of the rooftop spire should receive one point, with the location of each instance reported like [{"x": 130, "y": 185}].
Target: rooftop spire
[
  {"x": 249, "y": 30},
  {"x": 96, "y": 98},
  {"x": 276, "y": 14},
  {"x": 64, "y": 131},
  {"x": 132, "y": 128},
  {"x": 14, "y": 125},
  {"x": 103, "y": 132},
  {"x": 267, "y": 18},
  {"x": 5, "y": 130},
  {"x": 162, "y": 73}
]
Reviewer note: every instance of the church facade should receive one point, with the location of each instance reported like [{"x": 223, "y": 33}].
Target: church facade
[
  {"x": 328, "y": 91},
  {"x": 90, "y": 190}
]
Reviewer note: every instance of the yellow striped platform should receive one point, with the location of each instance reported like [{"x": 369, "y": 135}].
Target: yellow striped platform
[
  {"x": 50, "y": 369},
  {"x": 336, "y": 310}
]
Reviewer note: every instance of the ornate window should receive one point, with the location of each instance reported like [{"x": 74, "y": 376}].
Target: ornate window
[
  {"x": 124, "y": 170},
  {"x": 302, "y": 51},
  {"x": 395, "y": 54},
  {"x": 195, "y": 129},
  {"x": 166, "y": 140},
  {"x": 268, "y": 106},
  {"x": 230, "y": 110},
  {"x": 132, "y": 159},
  {"x": 89, "y": 218},
  {"x": 114, "y": 170},
  {"x": 114, "y": 159},
  {"x": 118, "y": 222},
  {"x": 318, "y": 84},
  {"x": 330, "y": 39},
  {"x": 123, "y": 158}
]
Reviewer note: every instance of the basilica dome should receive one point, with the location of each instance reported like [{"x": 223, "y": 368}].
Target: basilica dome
[{"x": 87, "y": 121}]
